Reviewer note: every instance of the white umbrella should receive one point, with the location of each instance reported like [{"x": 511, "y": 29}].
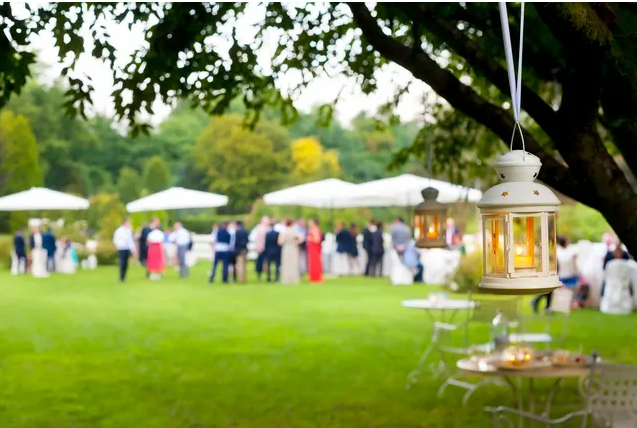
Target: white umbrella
[
  {"x": 317, "y": 194},
  {"x": 42, "y": 199},
  {"x": 177, "y": 198},
  {"x": 404, "y": 191}
]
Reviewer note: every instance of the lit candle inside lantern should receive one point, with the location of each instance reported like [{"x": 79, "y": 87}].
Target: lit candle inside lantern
[
  {"x": 521, "y": 261},
  {"x": 432, "y": 232},
  {"x": 526, "y": 259}
]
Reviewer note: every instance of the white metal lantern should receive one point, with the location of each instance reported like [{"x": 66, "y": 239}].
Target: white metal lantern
[{"x": 519, "y": 229}]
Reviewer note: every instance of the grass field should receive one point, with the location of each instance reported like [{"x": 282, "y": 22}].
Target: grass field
[{"x": 87, "y": 352}]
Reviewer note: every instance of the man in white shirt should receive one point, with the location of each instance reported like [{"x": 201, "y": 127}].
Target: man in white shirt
[
  {"x": 181, "y": 238},
  {"x": 125, "y": 245}
]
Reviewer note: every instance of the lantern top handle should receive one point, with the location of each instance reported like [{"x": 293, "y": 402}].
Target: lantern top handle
[
  {"x": 518, "y": 166},
  {"x": 515, "y": 81}
]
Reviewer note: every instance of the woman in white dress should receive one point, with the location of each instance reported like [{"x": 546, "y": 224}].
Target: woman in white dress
[
  {"x": 38, "y": 255},
  {"x": 289, "y": 240}
]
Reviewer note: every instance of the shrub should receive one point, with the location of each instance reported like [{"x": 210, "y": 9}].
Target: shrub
[
  {"x": 103, "y": 205},
  {"x": 6, "y": 245},
  {"x": 581, "y": 222},
  {"x": 106, "y": 254},
  {"x": 198, "y": 224},
  {"x": 76, "y": 231},
  {"x": 469, "y": 273}
]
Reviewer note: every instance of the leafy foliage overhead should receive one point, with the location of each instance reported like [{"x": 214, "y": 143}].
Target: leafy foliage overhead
[{"x": 579, "y": 93}]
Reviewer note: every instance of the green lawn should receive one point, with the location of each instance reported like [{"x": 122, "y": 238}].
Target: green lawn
[{"x": 87, "y": 352}]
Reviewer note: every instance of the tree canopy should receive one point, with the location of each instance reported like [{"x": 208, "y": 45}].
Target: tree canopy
[
  {"x": 241, "y": 163},
  {"x": 156, "y": 175},
  {"x": 19, "y": 161},
  {"x": 579, "y": 93}
]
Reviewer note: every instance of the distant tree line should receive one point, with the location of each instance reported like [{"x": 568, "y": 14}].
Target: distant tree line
[{"x": 40, "y": 145}]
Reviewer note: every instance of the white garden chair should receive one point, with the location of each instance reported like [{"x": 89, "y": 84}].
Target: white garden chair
[
  {"x": 617, "y": 279},
  {"x": 400, "y": 274},
  {"x": 15, "y": 264}
]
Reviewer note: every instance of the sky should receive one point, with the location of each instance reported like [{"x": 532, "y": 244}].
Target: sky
[{"x": 322, "y": 90}]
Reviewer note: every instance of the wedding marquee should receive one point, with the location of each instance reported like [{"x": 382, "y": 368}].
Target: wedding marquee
[
  {"x": 177, "y": 198},
  {"x": 404, "y": 191},
  {"x": 317, "y": 194},
  {"x": 42, "y": 199}
]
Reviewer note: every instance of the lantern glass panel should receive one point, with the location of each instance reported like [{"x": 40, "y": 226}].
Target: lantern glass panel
[
  {"x": 527, "y": 244},
  {"x": 494, "y": 245},
  {"x": 419, "y": 225},
  {"x": 432, "y": 226},
  {"x": 552, "y": 237}
]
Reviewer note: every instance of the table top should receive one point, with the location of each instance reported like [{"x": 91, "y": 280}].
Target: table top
[
  {"x": 486, "y": 366},
  {"x": 439, "y": 304}
]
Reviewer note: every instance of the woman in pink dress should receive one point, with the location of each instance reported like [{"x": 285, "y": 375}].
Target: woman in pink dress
[
  {"x": 156, "y": 260},
  {"x": 314, "y": 253}
]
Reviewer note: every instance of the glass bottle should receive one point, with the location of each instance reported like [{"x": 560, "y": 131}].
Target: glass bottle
[{"x": 500, "y": 331}]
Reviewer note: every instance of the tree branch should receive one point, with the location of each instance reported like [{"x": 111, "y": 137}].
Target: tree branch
[
  {"x": 543, "y": 62},
  {"x": 578, "y": 140},
  {"x": 465, "y": 99},
  {"x": 539, "y": 110}
]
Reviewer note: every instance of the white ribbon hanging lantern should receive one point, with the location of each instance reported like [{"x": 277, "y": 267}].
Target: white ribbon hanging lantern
[{"x": 518, "y": 215}]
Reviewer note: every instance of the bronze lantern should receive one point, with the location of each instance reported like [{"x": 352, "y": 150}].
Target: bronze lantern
[{"x": 430, "y": 221}]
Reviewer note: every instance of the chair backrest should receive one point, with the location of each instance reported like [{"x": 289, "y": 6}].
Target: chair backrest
[
  {"x": 618, "y": 270},
  {"x": 561, "y": 300},
  {"x": 612, "y": 394},
  {"x": 486, "y": 309}
]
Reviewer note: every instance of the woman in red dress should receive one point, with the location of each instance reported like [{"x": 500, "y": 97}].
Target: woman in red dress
[
  {"x": 314, "y": 253},
  {"x": 156, "y": 262}
]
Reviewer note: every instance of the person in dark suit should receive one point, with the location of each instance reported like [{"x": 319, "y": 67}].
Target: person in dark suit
[
  {"x": 222, "y": 252},
  {"x": 377, "y": 251},
  {"x": 273, "y": 253},
  {"x": 20, "y": 248},
  {"x": 367, "y": 243},
  {"x": 232, "y": 230},
  {"x": 49, "y": 245},
  {"x": 143, "y": 242},
  {"x": 241, "y": 239}
]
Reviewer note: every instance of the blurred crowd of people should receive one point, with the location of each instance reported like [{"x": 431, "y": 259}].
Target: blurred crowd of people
[
  {"x": 569, "y": 270},
  {"x": 148, "y": 245},
  {"x": 47, "y": 253},
  {"x": 285, "y": 250}
]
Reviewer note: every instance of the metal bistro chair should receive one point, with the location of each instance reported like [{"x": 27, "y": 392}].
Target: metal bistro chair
[
  {"x": 611, "y": 400},
  {"x": 484, "y": 312}
]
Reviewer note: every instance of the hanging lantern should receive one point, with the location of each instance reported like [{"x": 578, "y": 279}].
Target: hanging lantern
[
  {"x": 430, "y": 220},
  {"x": 519, "y": 229}
]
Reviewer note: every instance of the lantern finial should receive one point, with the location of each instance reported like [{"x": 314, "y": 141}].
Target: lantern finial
[{"x": 429, "y": 194}]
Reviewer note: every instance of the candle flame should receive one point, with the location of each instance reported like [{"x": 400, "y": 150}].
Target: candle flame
[{"x": 518, "y": 250}]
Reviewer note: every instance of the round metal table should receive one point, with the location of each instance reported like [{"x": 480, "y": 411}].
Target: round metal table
[{"x": 486, "y": 366}]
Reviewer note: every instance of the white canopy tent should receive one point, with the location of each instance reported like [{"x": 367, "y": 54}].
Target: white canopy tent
[
  {"x": 317, "y": 194},
  {"x": 42, "y": 199},
  {"x": 177, "y": 198},
  {"x": 404, "y": 191}
]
